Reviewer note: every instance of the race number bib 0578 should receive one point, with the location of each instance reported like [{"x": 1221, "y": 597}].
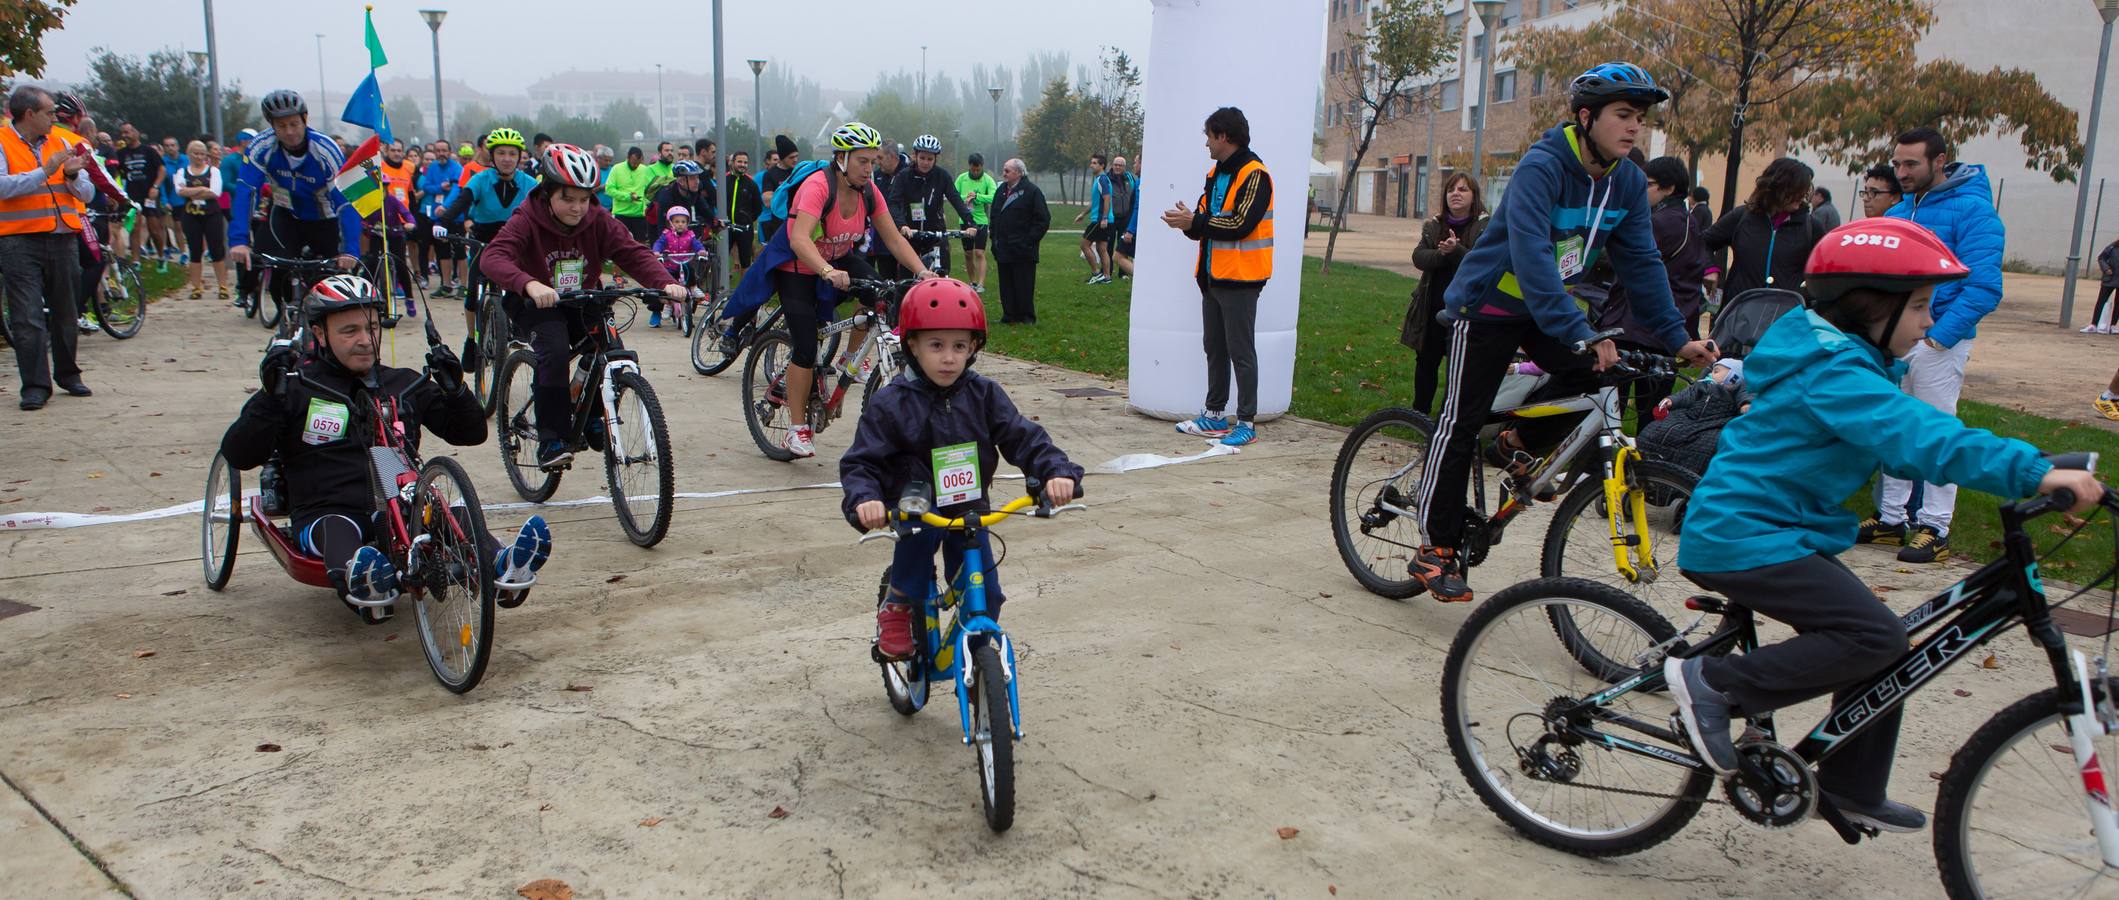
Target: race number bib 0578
[
  {"x": 326, "y": 422},
  {"x": 566, "y": 274},
  {"x": 956, "y": 474}
]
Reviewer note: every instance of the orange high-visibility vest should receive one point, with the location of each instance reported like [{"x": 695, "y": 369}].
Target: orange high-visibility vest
[
  {"x": 38, "y": 212},
  {"x": 1249, "y": 259}
]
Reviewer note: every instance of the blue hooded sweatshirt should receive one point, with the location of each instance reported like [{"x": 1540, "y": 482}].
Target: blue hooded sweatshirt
[
  {"x": 1826, "y": 412},
  {"x": 1544, "y": 223},
  {"x": 1960, "y": 210}
]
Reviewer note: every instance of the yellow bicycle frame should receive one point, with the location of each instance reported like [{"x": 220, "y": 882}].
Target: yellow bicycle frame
[{"x": 1626, "y": 548}]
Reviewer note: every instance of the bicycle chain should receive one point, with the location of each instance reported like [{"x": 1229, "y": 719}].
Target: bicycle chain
[{"x": 1634, "y": 793}]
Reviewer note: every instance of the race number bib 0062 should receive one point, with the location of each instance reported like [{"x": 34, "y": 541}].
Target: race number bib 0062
[
  {"x": 566, "y": 274},
  {"x": 956, "y": 474},
  {"x": 325, "y": 423},
  {"x": 1569, "y": 255}
]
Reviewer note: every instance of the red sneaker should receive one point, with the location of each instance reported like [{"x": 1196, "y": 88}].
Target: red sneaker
[{"x": 894, "y": 638}]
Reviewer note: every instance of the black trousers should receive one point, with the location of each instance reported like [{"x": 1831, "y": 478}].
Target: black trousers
[
  {"x": 1428, "y": 357},
  {"x": 1843, "y": 635},
  {"x": 43, "y": 272},
  {"x": 1018, "y": 285},
  {"x": 1479, "y": 354},
  {"x": 285, "y": 236},
  {"x": 739, "y": 246},
  {"x": 553, "y": 333},
  {"x": 206, "y": 235},
  {"x": 1230, "y": 316}
]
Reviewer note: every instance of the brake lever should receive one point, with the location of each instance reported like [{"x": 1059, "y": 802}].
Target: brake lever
[{"x": 878, "y": 534}]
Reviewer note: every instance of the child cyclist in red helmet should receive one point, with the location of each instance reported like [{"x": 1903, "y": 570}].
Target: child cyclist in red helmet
[
  {"x": 1766, "y": 523},
  {"x": 938, "y": 403}
]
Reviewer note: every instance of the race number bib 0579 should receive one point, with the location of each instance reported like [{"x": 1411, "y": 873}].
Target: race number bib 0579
[
  {"x": 956, "y": 474},
  {"x": 326, "y": 422}
]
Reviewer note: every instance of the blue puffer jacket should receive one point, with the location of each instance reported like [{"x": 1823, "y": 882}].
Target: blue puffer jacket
[
  {"x": 1960, "y": 210},
  {"x": 910, "y": 417},
  {"x": 1826, "y": 412}
]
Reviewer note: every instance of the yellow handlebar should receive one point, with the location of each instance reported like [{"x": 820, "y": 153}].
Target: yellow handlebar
[{"x": 1013, "y": 506}]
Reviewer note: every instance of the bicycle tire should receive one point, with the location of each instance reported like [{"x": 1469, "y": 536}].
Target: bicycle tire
[
  {"x": 1957, "y": 820},
  {"x": 221, "y": 527},
  {"x": 655, "y": 432},
  {"x": 763, "y": 365},
  {"x": 996, "y": 754},
  {"x": 1669, "y": 490},
  {"x": 270, "y": 321},
  {"x": 493, "y": 332},
  {"x": 454, "y": 577},
  {"x": 515, "y": 429},
  {"x": 1417, "y": 432},
  {"x": 122, "y": 316},
  {"x": 1467, "y": 747},
  {"x": 707, "y": 355},
  {"x": 904, "y": 680}
]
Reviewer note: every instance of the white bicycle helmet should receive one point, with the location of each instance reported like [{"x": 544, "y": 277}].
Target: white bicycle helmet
[
  {"x": 571, "y": 166},
  {"x": 927, "y": 143}
]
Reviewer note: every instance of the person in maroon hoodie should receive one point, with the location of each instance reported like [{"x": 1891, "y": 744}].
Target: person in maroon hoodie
[{"x": 557, "y": 241}]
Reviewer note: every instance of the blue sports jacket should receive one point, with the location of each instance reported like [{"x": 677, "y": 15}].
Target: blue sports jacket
[
  {"x": 1960, "y": 210},
  {"x": 486, "y": 208},
  {"x": 303, "y": 190}
]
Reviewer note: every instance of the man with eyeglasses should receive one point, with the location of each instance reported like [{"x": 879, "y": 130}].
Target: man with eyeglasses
[
  {"x": 1879, "y": 190},
  {"x": 43, "y": 193}
]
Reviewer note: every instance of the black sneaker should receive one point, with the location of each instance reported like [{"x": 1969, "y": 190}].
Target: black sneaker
[
  {"x": 1441, "y": 571},
  {"x": 553, "y": 456},
  {"x": 1705, "y": 711},
  {"x": 1875, "y": 530},
  {"x": 1887, "y": 815},
  {"x": 1926, "y": 545}
]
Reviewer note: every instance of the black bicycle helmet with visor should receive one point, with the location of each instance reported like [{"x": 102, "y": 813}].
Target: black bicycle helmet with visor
[{"x": 1604, "y": 84}]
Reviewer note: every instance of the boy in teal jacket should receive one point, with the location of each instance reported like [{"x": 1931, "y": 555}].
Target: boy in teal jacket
[{"x": 1766, "y": 522}]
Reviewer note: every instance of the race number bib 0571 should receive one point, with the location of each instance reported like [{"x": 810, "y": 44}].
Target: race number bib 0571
[
  {"x": 326, "y": 422},
  {"x": 956, "y": 474},
  {"x": 566, "y": 274},
  {"x": 1568, "y": 253}
]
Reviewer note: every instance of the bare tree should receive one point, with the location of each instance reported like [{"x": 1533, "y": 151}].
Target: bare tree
[{"x": 1387, "y": 73}]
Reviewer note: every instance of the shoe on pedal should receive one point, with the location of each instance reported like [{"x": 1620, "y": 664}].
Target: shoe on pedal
[
  {"x": 370, "y": 578},
  {"x": 1705, "y": 713},
  {"x": 1925, "y": 545},
  {"x": 801, "y": 441},
  {"x": 894, "y": 638},
  {"x": 1884, "y": 815},
  {"x": 553, "y": 455},
  {"x": 654, "y": 319},
  {"x": 1874, "y": 530},
  {"x": 1205, "y": 424},
  {"x": 1441, "y": 571},
  {"x": 515, "y": 567}
]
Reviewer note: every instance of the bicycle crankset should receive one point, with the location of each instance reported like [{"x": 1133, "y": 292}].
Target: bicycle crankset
[{"x": 1773, "y": 788}]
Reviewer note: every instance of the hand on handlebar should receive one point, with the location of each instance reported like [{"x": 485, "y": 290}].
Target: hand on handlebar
[
  {"x": 905, "y": 230},
  {"x": 1607, "y": 354},
  {"x": 971, "y": 231},
  {"x": 675, "y": 292},
  {"x": 239, "y": 257},
  {"x": 1059, "y": 491},
  {"x": 441, "y": 231},
  {"x": 347, "y": 261},
  {"x": 2085, "y": 487},
  {"x": 541, "y": 294},
  {"x": 873, "y": 514},
  {"x": 1700, "y": 353},
  {"x": 838, "y": 278},
  {"x": 925, "y": 274}
]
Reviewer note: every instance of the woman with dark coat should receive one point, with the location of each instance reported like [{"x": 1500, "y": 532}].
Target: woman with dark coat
[
  {"x": 1444, "y": 240},
  {"x": 1678, "y": 241},
  {"x": 1768, "y": 238}
]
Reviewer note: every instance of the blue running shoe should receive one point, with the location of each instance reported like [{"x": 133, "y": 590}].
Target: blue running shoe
[
  {"x": 371, "y": 580},
  {"x": 1205, "y": 425},
  {"x": 553, "y": 456},
  {"x": 515, "y": 567},
  {"x": 1242, "y": 434},
  {"x": 654, "y": 319}
]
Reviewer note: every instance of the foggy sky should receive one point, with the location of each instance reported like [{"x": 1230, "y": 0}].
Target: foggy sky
[{"x": 499, "y": 46}]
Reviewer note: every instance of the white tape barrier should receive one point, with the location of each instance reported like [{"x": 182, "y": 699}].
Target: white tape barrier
[{"x": 37, "y": 521}]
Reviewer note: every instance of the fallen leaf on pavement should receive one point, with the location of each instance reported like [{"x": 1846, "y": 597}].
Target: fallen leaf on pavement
[
  {"x": 614, "y": 579},
  {"x": 154, "y": 474},
  {"x": 545, "y": 808},
  {"x": 547, "y": 889},
  {"x": 480, "y": 747},
  {"x": 1991, "y": 662},
  {"x": 1333, "y": 889},
  {"x": 124, "y": 696},
  {"x": 95, "y": 474},
  {"x": 1937, "y": 776},
  {"x": 142, "y": 654},
  {"x": 650, "y": 822},
  {"x": 1883, "y": 589},
  {"x": 1287, "y": 832},
  {"x": 389, "y": 637},
  {"x": 1961, "y": 692},
  {"x": 174, "y": 592},
  {"x": 779, "y": 812},
  {"x": 581, "y": 688},
  {"x": 268, "y": 748}
]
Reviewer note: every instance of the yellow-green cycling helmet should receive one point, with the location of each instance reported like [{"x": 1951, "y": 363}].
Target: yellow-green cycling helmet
[
  {"x": 504, "y": 137},
  {"x": 855, "y": 136}
]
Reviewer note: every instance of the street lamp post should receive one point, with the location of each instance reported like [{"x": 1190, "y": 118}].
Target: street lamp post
[
  {"x": 923, "y": 85},
  {"x": 1489, "y": 20},
  {"x": 213, "y": 72},
  {"x": 757, "y": 111},
  {"x": 721, "y": 141},
  {"x": 2109, "y": 9},
  {"x": 323, "y": 94},
  {"x": 956, "y": 136},
  {"x": 995, "y": 93},
  {"x": 198, "y": 73},
  {"x": 434, "y": 17},
  {"x": 661, "y": 128}
]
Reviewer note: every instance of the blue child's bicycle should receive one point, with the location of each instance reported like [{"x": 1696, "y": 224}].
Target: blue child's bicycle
[{"x": 985, "y": 690}]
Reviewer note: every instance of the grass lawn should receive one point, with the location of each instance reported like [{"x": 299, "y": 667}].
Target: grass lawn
[{"x": 1348, "y": 363}]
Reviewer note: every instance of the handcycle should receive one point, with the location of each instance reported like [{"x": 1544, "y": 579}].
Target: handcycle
[
  {"x": 765, "y": 368},
  {"x": 987, "y": 702},
  {"x": 431, "y": 527},
  {"x": 615, "y": 411},
  {"x": 1618, "y": 524},
  {"x": 1596, "y": 762}
]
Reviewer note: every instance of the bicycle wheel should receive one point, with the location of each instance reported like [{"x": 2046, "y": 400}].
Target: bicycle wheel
[
  {"x": 485, "y": 370},
  {"x": 763, "y": 367},
  {"x": 2009, "y": 816},
  {"x": 1578, "y": 544},
  {"x": 221, "y": 522},
  {"x": 1505, "y": 672},
  {"x": 1378, "y": 471},
  {"x": 643, "y": 483},
  {"x": 709, "y": 355},
  {"x": 993, "y": 736},
  {"x": 904, "y": 680},
  {"x": 454, "y": 600},
  {"x": 515, "y": 426},
  {"x": 271, "y": 311},
  {"x": 121, "y": 304}
]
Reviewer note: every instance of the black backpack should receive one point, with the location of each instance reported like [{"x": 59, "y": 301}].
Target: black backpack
[{"x": 1741, "y": 322}]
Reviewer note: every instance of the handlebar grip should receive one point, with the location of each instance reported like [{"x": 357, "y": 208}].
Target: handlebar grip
[
  {"x": 2082, "y": 460},
  {"x": 1582, "y": 348}
]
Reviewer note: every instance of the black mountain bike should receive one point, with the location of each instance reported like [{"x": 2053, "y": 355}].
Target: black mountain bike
[
  {"x": 615, "y": 412},
  {"x": 1595, "y": 762},
  {"x": 120, "y": 298}
]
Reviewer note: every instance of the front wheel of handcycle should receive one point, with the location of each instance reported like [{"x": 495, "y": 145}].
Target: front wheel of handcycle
[
  {"x": 642, "y": 479},
  {"x": 121, "y": 301},
  {"x": 1506, "y": 689},
  {"x": 1375, "y": 490},
  {"x": 221, "y": 522},
  {"x": 993, "y": 736},
  {"x": 904, "y": 680},
  {"x": 1579, "y": 544},
  {"x": 2009, "y": 815},
  {"x": 515, "y": 429},
  {"x": 452, "y": 576}
]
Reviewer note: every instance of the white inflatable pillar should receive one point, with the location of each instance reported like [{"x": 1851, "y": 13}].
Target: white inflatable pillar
[{"x": 1261, "y": 56}]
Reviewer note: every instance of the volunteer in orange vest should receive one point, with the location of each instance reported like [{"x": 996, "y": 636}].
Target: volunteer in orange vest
[
  {"x": 42, "y": 195},
  {"x": 1233, "y": 223}
]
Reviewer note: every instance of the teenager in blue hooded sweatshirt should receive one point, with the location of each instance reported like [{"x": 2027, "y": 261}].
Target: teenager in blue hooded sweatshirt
[
  {"x": 1574, "y": 196},
  {"x": 1766, "y": 524}
]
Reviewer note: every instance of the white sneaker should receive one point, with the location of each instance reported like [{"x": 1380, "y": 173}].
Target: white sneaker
[
  {"x": 801, "y": 441},
  {"x": 2107, "y": 329},
  {"x": 2094, "y": 328}
]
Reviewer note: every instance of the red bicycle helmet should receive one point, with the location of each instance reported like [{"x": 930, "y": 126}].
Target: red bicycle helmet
[
  {"x": 1891, "y": 255},
  {"x": 942, "y": 303}
]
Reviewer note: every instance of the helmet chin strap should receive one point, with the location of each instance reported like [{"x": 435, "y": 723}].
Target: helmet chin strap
[
  {"x": 1590, "y": 144},
  {"x": 1891, "y": 328}
]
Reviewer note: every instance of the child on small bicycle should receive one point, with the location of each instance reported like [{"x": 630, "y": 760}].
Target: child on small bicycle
[
  {"x": 1766, "y": 523},
  {"x": 677, "y": 239},
  {"x": 929, "y": 425}
]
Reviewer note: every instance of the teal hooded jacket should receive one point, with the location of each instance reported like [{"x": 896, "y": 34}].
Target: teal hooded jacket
[{"x": 1826, "y": 412}]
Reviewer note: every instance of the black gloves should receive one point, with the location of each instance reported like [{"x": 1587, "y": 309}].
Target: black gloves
[
  {"x": 280, "y": 358},
  {"x": 445, "y": 369}
]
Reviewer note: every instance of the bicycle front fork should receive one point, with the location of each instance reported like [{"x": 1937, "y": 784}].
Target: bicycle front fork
[
  {"x": 2093, "y": 721},
  {"x": 1626, "y": 515}
]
